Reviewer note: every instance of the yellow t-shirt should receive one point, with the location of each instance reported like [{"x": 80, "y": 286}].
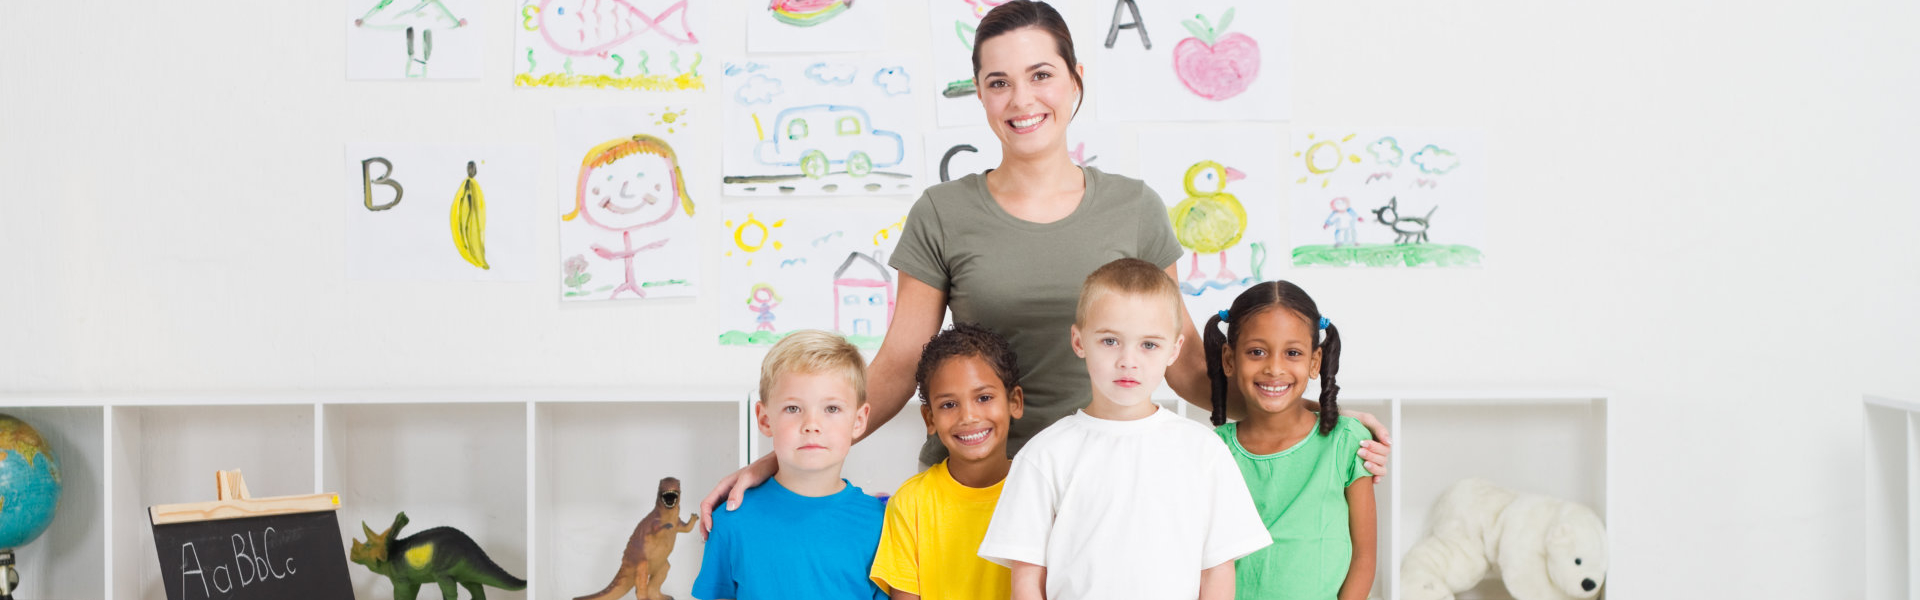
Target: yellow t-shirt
[{"x": 931, "y": 542}]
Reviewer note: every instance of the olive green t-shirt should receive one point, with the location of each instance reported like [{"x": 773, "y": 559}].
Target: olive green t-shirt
[
  {"x": 1301, "y": 493},
  {"x": 1022, "y": 279}
]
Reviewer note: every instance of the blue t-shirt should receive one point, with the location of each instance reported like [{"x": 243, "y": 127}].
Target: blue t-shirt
[{"x": 784, "y": 545}]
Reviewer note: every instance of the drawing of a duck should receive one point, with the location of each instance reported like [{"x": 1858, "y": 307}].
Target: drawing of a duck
[{"x": 1210, "y": 220}]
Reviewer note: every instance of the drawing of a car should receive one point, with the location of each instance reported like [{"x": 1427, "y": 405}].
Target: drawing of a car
[{"x": 820, "y": 136}]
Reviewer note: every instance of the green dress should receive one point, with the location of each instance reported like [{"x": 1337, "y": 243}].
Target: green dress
[{"x": 1301, "y": 495}]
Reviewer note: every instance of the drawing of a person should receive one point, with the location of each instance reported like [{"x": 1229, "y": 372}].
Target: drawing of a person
[
  {"x": 410, "y": 15},
  {"x": 762, "y": 300},
  {"x": 1344, "y": 223},
  {"x": 626, "y": 186}
]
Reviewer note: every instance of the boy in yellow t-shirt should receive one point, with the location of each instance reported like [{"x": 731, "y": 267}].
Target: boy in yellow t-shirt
[{"x": 969, "y": 397}]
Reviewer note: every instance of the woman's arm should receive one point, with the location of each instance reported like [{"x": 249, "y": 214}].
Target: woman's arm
[
  {"x": 916, "y": 317},
  {"x": 1217, "y": 583},
  {"x": 1029, "y": 581},
  {"x": 1360, "y": 520},
  {"x": 1188, "y": 375}
]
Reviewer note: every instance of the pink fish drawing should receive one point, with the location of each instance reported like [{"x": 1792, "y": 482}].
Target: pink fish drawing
[{"x": 593, "y": 27}]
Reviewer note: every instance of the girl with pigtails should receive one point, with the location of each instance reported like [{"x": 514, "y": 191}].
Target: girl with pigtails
[{"x": 1311, "y": 489}]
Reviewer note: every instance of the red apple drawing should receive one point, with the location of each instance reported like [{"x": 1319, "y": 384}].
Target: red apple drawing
[{"x": 1215, "y": 66}]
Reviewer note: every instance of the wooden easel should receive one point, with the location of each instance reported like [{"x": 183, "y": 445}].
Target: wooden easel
[{"x": 235, "y": 502}]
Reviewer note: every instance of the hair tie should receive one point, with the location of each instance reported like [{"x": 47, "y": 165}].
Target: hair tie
[
  {"x": 1223, "y": 315},
  {"x": 1324, "y": 323}
]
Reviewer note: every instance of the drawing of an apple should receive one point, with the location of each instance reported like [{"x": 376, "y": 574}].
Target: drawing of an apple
[{"x": 1215, "y": 66}]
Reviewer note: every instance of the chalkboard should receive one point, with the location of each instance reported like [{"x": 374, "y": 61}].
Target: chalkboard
[{"x": 283, "y": 557}]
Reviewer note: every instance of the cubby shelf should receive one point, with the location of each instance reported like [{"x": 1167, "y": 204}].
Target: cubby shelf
[
  {"x": 551, "y": 481},
  {"x": 1892, "y": 447}
]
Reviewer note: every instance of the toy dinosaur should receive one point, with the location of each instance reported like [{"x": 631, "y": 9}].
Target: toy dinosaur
[
  {"x": 440, "y": 555},
  {"x": 643, "y": 567}
]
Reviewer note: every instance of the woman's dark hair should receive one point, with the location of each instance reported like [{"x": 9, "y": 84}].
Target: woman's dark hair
[
  {"x": 962, "y": 340},
  {"x": 1260, "y": 298},
  {"x": 1018, "y": 14}
]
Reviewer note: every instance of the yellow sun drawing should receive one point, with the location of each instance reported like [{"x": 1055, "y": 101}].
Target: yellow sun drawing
[
  {"x": 1323, "y": 157},
  {"x": 751, "y": 235},
  {"x": 669, "y": 118}
]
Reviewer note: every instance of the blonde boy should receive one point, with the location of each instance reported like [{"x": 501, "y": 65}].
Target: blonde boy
[
  {"x": 1124, "y": 499},
  {"x": 806, "y": 533}
]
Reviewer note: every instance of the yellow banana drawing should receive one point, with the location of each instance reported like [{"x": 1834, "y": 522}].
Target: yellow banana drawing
[{"x": 469, "y": 220}]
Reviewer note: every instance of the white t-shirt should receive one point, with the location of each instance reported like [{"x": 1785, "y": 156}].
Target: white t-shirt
[{"x": 1124, "y": 509}]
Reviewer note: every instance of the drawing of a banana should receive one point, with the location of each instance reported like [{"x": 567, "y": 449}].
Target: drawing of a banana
[{"x": 469, "y": 220}]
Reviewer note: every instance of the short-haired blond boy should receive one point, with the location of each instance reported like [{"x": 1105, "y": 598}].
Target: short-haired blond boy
[
  {"x": 1124, "y": 499},
  {"x": 806, "y": 533}
]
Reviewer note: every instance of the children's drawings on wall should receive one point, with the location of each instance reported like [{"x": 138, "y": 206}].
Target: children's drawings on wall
[
  {"x": 820, "y": 126},
  {"x": 626, "y": 226},
  {"x": 439, "y": 212},
  {"x": 789, "y": 266},
  {"x": 1386, "y": 198},
  {"x": 1195, "y": 60},
  {"x": 651, "y": 45},
  {"x": 414, "y": 39},
  {"x": 816, "y": 25},
  {"x": 954, "y": 153},
  {"x": 1222, "y": 189},
  {"x": 951, "y": 25}
]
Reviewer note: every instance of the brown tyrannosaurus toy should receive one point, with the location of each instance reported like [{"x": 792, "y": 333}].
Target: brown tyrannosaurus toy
[{"x": 643, "y": 567}]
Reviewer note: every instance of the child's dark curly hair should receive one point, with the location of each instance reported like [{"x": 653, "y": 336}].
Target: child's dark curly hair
[{"x": 967, "y": 339}]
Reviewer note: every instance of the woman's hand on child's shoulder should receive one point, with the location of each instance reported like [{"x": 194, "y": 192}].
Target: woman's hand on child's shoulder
[
  {"x": 1378, "y": 450},
  {"x": 733, "y": 488}
]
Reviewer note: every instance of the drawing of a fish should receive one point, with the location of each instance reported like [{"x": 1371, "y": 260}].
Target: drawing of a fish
[{"x": 593, "y": 27}]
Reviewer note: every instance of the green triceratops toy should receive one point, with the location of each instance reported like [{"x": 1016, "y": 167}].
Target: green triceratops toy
[{"x": 440, "y": 555}]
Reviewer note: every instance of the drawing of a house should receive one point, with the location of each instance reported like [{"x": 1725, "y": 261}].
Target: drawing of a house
[{"x": 863, "y": 296}]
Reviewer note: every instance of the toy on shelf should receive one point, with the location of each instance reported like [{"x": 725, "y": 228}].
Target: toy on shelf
[
  {"x": 643, "y": 567},
  {"x": 1545, "y": 548},
  {"x": 29, "y": 489},
  {"x": 441, "y": 555}
]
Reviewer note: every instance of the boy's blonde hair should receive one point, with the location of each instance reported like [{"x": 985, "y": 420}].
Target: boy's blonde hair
[
  {"x": 814, "y": 351},
  {"x": 1130, "y": 276}
]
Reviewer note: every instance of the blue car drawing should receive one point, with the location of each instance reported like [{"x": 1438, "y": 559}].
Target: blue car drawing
[{"x": 817, "y": 137}]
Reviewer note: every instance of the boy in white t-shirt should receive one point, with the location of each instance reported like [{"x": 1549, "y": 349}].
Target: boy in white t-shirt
[{"x": 1124, "y": 499}]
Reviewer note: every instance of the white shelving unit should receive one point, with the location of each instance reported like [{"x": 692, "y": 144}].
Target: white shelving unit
[
  {"x": 552, "y": 481},
  {"x": 1892, "y": 446}
]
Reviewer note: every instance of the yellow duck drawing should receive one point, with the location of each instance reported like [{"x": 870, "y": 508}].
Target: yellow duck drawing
[{"x": 1210, "y": 221}]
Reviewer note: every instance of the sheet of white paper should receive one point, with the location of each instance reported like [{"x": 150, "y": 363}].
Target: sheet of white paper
[
  {"x": 1194, "y": 60},
  {"x": 651, "y": 45},
  {"x": 950, "y": 26},
  {"x": 830, "y": 125},
  {"x": 1222, "y": 188},
  {"x": 953, "y": 153},
  {"x": 405, "y": 219},
  {"x": 415, "y": 39},
  {"x": 1384, "y": 197},
  {"x": 804, "y": 265},
  {"x": 626, "y": 227},
  {"x": 816, "y": 25}
]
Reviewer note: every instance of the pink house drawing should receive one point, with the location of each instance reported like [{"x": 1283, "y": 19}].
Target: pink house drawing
[{"x": 863, "y": 296}]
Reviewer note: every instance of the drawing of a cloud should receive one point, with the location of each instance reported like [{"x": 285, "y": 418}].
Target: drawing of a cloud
[
  {"x": 1435, "y": 161},
  {"x": 760, "y": 89},
  {"x": 835, "y": 74},
  {"x": 893, "y": 80},
  {"x": 1386, "y": 151}
]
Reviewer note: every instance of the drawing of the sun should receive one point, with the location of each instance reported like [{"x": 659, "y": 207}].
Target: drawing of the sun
[
  {"x": 751, "y": 235},
  {"x": 669, "y": 118},
  {"x": 1323, "y": 157}
]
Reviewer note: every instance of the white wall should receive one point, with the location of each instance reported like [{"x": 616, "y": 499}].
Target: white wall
[{"x": 1702, "y": 206}]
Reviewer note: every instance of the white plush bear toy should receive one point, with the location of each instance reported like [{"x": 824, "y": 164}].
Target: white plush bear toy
[{"x": 1545, "y": 548}]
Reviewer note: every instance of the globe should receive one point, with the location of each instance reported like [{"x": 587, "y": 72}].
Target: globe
[{"x": 29, "y": 483}]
